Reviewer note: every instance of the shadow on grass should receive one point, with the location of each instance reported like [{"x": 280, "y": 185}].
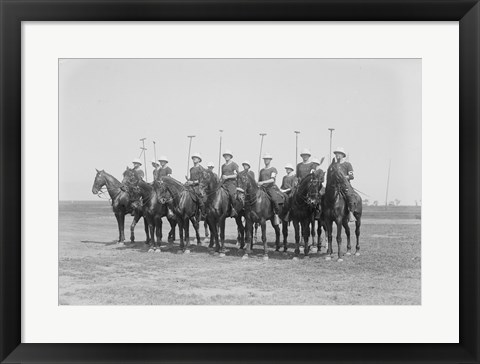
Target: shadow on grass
[{"x": 231, "y": 249}]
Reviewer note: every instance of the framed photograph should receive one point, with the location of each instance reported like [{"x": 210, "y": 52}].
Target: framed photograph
[{"x": 182, "y": 173}]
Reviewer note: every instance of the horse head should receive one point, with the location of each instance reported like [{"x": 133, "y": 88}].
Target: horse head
[
  {"x": 313, "y": 191},
  {"x": 99, "y": 181},
  {"x": 334, "y": 175},
  {"x": 245, "y": 182},
  {"x": 163, "y": 193}
]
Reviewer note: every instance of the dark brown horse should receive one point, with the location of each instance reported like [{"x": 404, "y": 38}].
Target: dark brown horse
[
  {"x": 258, "y": 209},
  {"x": 121, "y": 203},
  {"x": 153, "y": 208},
  {"x": 184, "y": 204},
  {"x": 334, "y": 208},
  {"x": 218, "y": 209},
  {"x": 304, "y": 200}
]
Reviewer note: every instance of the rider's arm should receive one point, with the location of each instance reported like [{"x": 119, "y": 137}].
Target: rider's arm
[{"x": 350, "y": 172}]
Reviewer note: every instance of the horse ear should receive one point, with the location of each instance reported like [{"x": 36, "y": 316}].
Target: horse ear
[
  {"x": 333, "y": 160},
  {"x": 97, "y": 170},
  {"x": 321, "y": 160}
]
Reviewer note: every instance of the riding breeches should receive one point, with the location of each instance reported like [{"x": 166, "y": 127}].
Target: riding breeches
[
  {"x": 231, "y": 187},
  {"x": 276, "y": 196}
]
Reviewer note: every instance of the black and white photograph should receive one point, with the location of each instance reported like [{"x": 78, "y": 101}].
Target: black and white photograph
[{"x": 224, "y": 181}]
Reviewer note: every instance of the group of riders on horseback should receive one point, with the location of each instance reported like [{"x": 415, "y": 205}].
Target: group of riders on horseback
[{"x": 237, "y": 194}]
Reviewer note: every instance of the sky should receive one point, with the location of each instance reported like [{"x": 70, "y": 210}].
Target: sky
[{"x": 107, "y": 105}]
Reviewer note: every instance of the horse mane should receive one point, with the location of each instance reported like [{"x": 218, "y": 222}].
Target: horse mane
[
  {"x": 173, "y": 183},
  {"x": 108, "y": 175},
  {"x": 304, "y": 183}
]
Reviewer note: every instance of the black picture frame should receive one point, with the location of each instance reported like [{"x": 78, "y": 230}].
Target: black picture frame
[{"x": 13, "y": 12}]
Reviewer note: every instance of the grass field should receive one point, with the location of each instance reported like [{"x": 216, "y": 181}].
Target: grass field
[{"x": 94, "y": 270}]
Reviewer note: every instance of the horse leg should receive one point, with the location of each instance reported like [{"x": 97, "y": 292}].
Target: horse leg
[
  {"x": 117, "y": 216},
  {"x": 186, "y": 227},
  {"x": 171, "y": 234},
  {"x": 313, "y": 231},
  {"x": 122, "y": 228},
  {"x": 329, "y": 225},
  {"x": 319, "y": 235},
  {"x": 296, "y": 227},
  {"x": 339, "y": 240},
  {"x": 285, "y": 236},
  {"x": 358, "y": 223},
  {"x": 277, "y": 237},
  {"x": 147, "y": 232},
  {"x": 158, "y": 229},
  {"x": 205, "y": 226},
  {"x": 264, "y": 239},
  {"x": 347, "y": 233},
  {"x": 196, "y": 226},
  {"x": 181, "y": 229},
  {"x": 240, "y": 232},
  {"x": 255, "y": 239},
  {"x": 222, "y": 237},
  {"x": 306, "y": 236},
  {"x": 136, "y": 217}
]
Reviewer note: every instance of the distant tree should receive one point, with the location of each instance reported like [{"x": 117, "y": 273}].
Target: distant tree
[
  {"x": 397, "y": 202},
  {"x": 391, "y": 203},
  {"x": 366, "y": 202},
  {"x": 416, "y": 203},
  {"x": 375, "y": 203}
]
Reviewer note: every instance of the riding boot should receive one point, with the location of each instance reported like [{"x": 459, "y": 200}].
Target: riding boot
[{"x": 233, "y": 212}]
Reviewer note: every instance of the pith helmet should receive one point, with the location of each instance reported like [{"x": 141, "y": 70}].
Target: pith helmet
[
  {"x": 136, "y": 160},
  {"x": 210, "y": 164},
  {"x": 154, "y": 162},
  {"x": 163, "y": 158},
  {"x": 247, "y": 163},
  {"x": 197, "y": 155},
  {"x": 306, "y": 151},
  {"x": 316, "y": 160},
  {"x": 340, "y": 150},
  {"x": 288, "y": 165},
  {"x": 267, "y": 156},
  {"x": 227, "y": 152}
]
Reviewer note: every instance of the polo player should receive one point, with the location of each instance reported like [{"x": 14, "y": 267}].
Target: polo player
[
  {"x": 266, "y": 180},
  {"x": 246, "y": 169},
  {"x": 163, "y": 170},
  {"x": 305, "y": 166},
  {"x": 347, "y": 171},
  {"x": 229, "y": 179},
  {"x": 195, "y": 175},
  {"x": 289, "y": 181},
  {"x": 155, "y": 166},
  {"x": 136, "y": 168},
  {"x": 211, "y": 167},
  {"x": 320, "y": 175}
]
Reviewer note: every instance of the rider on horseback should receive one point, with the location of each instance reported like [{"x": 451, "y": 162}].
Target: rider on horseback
[
  {"x": 210, "y": 167},
  {"x": 320, "y": 175},
  {"x": 347, "y": 171},
  {"x": 133, "y": 189},
  {"x": 304, "y": 167},
  {"x": 195, "y": 175},
  {"x": 246, "y": 169},
  {"x": 267, "y": 180},
  {"x": 155, "y": 166},
  {"x": 163, "y": 170},
  {"x": 229, "y": 178},
  {"x": 288, "y": 183}
]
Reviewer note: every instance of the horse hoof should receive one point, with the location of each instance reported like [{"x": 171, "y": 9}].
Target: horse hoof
[
  {"x": 245, "y": 256},
  {"x": 314, "y": 250},
  {"x": 187, "y": 251},
  {"x": 328, "y": 258},
  {"x": 294, "y": 258},
  {"x": 221, "y": 255},
  {"x": 265, "y": 257},
  {"x": 157, "y": 250},
  {"x": 180, "y": 252},
  {"x": 357, "y": 254},
  {"x": 348, "y": 253},
  {"x": 306, "y": 257},
  {"x": 339, "y": 260}
]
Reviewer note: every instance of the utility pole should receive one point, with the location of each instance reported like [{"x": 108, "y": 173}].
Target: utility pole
[
  {"x": 144, "y": 157},
  {"x": 189, "y": 149},
  {"x": 330, "y": 155},
  {"x": 296, "y": 146},
  {"x": 155, "y": 151},
  {"x": 220, "y": 151},
  {"x": 260, "y": 155},
  {"x": 388, "y": 182}
]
